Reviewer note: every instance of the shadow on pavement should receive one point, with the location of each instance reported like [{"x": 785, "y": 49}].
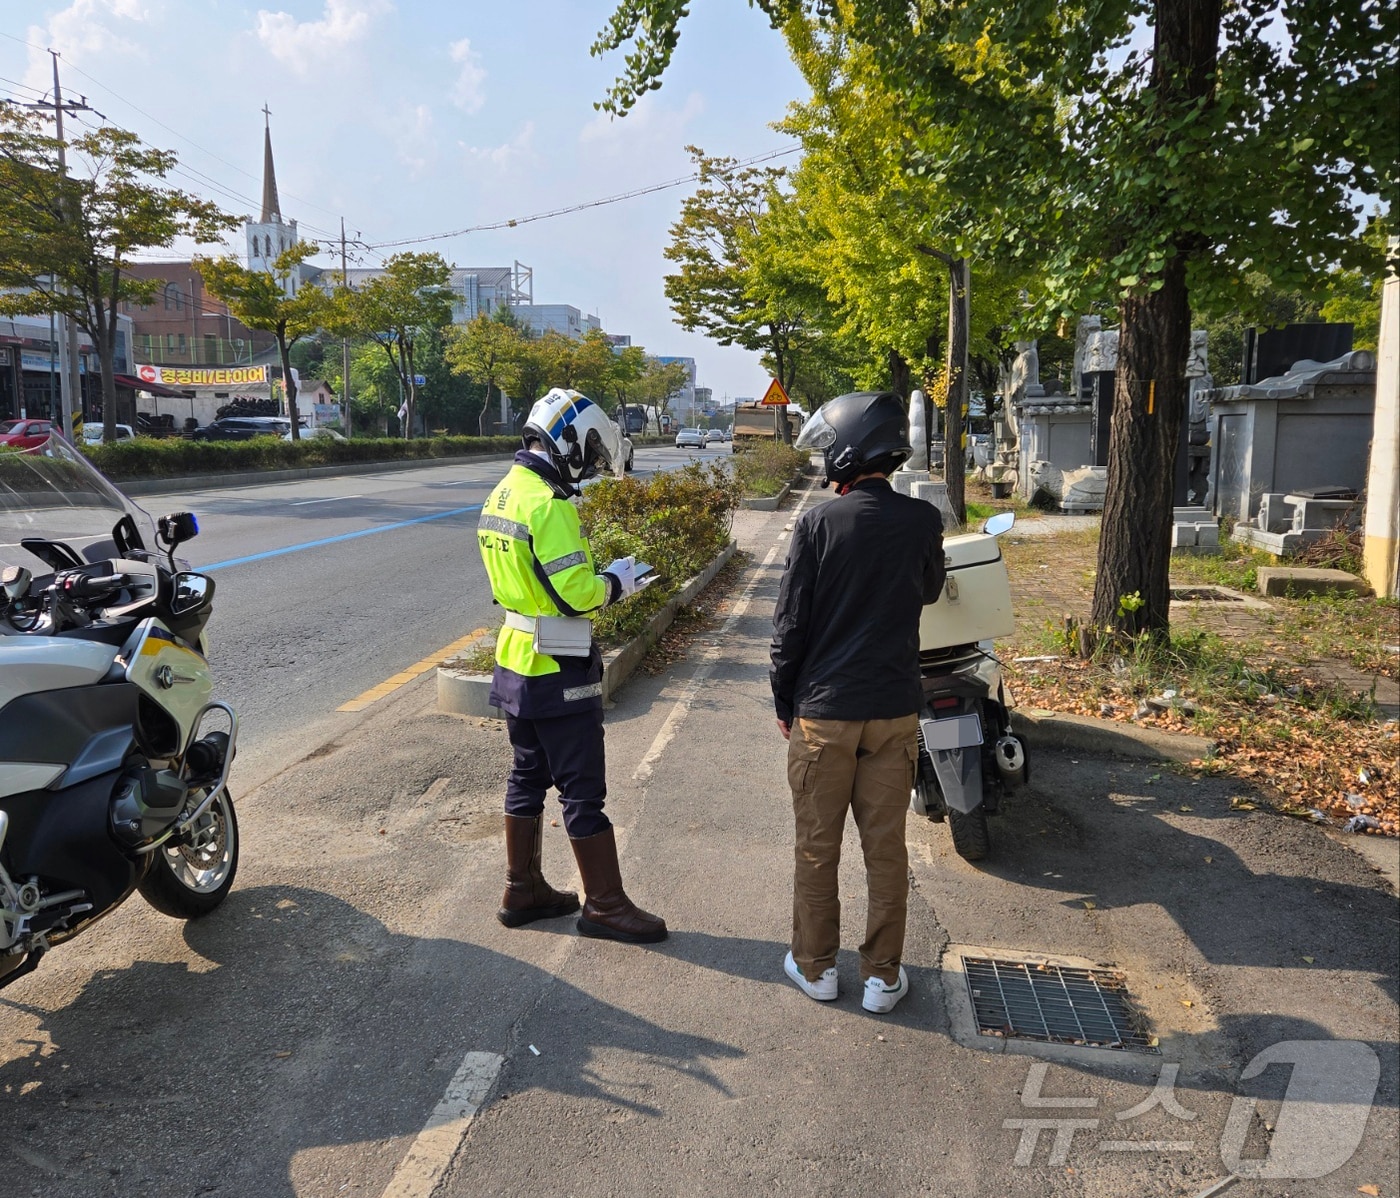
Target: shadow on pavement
[{"x": 313, "y": 1026}]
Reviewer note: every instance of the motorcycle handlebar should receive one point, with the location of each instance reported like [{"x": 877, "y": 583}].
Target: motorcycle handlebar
[{"x": 83, "y": 586}]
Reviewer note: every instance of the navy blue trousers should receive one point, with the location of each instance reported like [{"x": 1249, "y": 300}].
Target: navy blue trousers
[{"x": 565, "y": 752}]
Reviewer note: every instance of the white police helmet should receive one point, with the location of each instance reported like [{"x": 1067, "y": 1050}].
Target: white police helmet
[{"x": 578, "y": 435}]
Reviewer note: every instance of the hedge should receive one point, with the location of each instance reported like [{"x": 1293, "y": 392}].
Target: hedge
[{"x": 150, "y": 457}]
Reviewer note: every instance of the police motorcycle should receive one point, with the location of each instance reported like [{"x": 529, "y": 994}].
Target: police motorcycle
[
  {"x": 969, "y": 757},
  {"x": 114, "y": 757}
]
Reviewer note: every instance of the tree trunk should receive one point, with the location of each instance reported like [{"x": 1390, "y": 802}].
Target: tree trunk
[
  {"x": 289, "y": 387},
  {"x": 954, "y": 473},
  {"x": 899, "y": 374},
  {"x": 1132, "y": 592},
  {"x": 1149, "y": 403}
]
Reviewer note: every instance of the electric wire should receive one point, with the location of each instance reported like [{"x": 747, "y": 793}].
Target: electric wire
[{"x": 514, "y": 222}]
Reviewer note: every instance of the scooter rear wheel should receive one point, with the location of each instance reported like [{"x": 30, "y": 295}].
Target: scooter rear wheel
[
  {"x": 190, "y": 879},
  {"x": 971, "y": 838}
]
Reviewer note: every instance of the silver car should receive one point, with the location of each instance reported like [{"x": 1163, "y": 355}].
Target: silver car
[{"x": 690, "y": 438}]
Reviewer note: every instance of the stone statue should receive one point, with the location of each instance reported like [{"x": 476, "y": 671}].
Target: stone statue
[
  {"x": 1025, "y": 372},
  {"x": 918, "y": 431},
  {"x": 1088, "y": 325},
  {"x": 1197, "y": 359}
]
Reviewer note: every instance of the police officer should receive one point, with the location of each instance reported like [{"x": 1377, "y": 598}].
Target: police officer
[
  {"x": 846, "y": 688},
  {"x": 549, "y": 675}
]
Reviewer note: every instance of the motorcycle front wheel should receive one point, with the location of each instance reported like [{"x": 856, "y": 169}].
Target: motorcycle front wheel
[{"x": 191, "y": 878}]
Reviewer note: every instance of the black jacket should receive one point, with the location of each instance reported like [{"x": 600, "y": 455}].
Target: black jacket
[{"x": 846, "y": 628}]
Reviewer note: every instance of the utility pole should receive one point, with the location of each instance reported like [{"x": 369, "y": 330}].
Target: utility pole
[
  {"x": 72, "y": 395},
  {"x": 345, "y": 341}
]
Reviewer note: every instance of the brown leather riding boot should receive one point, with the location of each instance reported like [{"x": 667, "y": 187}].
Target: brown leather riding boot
[
  {"x": 528, "y": 896},
  {"x": 608, "y": 913}
]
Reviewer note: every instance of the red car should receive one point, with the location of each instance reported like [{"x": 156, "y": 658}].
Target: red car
[{"x": 25, "y": 434}]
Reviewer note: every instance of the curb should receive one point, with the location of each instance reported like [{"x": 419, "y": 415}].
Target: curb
[
  {"x": 1055, "y": 730},
  {"x": 771, "y": 504},
  {"x": 460, "y": 693}
]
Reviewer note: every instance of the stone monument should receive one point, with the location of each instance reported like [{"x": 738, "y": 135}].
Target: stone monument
[
  {"x": 1087, "y": 327},
  {"x": 916, "y": 469}
]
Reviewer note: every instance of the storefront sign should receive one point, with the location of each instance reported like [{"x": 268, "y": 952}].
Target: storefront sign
[{"x": 174, "y": 376}]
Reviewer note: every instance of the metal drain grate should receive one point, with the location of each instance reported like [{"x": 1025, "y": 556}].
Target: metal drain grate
[{"x": 1055, "y": 1004}]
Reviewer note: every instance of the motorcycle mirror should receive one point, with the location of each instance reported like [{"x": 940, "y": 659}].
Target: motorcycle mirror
[
  {"x": 192, "y": 591},
  {"x": 998, "y": 524},
  {"x": 14, "y": 581},
  {"x": 177, "y": 528}
]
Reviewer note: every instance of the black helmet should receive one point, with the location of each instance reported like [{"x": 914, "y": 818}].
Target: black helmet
[{"x": 861, "y": 433}]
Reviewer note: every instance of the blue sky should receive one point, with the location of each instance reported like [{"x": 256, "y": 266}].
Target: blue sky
[{"x": 413, "y": 117}]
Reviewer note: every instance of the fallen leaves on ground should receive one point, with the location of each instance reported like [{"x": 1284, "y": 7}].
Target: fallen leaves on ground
[{"x": 1301, "y": 759}]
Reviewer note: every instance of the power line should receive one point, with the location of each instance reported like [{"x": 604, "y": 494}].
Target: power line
[{"x": 613, "y": 199}]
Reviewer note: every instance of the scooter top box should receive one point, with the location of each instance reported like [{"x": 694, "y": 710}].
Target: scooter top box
[{"x": 975, "y": 604}]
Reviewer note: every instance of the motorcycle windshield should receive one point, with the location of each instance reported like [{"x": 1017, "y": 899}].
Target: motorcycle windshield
[{"x": 54, "y": 493}]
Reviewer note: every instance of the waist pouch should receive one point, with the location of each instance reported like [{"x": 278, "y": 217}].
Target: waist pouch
[{"x": 556, "y": 636}]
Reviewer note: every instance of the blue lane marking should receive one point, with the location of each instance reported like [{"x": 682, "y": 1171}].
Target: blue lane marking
[{"x": 347, "y": 536}]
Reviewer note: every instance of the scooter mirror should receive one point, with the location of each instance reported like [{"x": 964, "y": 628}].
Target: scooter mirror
[{"x": 998, "y": 524}]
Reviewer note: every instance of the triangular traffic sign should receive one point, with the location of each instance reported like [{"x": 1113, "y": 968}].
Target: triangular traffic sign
[{"x": 775, "y": 396}]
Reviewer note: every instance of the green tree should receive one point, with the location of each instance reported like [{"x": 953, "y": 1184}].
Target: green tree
[
  {"x": 488, "y": 351},
  {"x": 272, "y": 302},
  {"x": 394, "y": 310},
  {"x": 714, "y": 290},
  {"x": 660, "y": 382},
  {"x": 67, "y": 242},
  {"x": 1156, "y": 179}
]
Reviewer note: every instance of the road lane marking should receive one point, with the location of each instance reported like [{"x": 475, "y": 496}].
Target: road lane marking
[
  {"x": 328, "y": 499},
  {"x": 429, "y": 1156},
  {"x": 667, "y": 733},
  {"x": 668, "y": 730},
  {"x": 418, "y": 668},
  {"x": 345, "y": 536}
]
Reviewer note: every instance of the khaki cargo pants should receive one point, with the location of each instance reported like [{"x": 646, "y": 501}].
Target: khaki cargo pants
[{"x": 868, "y": 767}]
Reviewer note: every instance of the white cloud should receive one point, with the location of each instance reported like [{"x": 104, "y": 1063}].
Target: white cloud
[
  {"x": 302, "y": 45},
  {"x": 649, "y": 126},
  {"x": 467, "y": 91},
  {"x": 519, "y": 148},
  {"x": 82, "y": 33}
]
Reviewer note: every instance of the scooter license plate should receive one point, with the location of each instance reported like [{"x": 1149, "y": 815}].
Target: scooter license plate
[{"x": 955, "y": 732}]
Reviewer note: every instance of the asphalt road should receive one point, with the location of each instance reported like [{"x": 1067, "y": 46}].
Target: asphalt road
[
  {"x": 327, "y": 587},
  {"x": 354, "y": 1021}
]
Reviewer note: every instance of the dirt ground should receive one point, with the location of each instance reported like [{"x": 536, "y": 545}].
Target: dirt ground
[{"x": 1317, "y": 734}]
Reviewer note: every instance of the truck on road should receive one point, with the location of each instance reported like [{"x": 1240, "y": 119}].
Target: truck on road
[{"x": 757, "y": 422}]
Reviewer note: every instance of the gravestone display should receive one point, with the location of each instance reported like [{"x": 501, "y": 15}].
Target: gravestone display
[
  {"x": 1269, "y": 353},
  {"x": 1299, "y": 432}
]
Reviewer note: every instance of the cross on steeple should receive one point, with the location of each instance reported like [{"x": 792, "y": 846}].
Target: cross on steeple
[{"x": 267, "y": 115}]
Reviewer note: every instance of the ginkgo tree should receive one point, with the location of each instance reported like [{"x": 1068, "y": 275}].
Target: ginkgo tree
[
  {"x": 272, "y": 302},
  {"x": 1148, "y": 153}
]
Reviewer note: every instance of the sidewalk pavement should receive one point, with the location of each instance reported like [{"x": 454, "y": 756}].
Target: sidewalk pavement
[{"x": 373, "y": 1030}]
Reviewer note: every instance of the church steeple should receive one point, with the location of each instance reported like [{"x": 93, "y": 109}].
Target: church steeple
[{"x": 271, "y": 209}]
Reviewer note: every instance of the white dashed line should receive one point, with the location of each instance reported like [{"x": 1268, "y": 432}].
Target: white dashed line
[{"x": 431, "y": 1153}]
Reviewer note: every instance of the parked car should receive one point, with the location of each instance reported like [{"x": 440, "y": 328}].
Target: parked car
[
  {"x": 243, "y": 428},
  {"x": 690, "y": 438},
  {"x": 25, "y": 434},
  {"x": 311, "y": 434},
  {"x": 92, "y": 432}
]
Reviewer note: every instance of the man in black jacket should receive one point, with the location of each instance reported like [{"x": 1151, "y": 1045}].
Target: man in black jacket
[{"x": 845, "y": 674}]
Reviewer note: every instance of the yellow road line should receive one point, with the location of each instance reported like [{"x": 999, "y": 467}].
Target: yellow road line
[{"x": 419, "y": 668}]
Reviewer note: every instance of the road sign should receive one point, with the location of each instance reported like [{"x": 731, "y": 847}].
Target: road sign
[{"x": 775, "y": 396}]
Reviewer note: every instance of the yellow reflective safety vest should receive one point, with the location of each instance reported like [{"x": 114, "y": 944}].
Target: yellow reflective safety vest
[{"x": 539, "y": 564}]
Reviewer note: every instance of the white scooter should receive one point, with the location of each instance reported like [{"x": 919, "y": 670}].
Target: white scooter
[{"x": 968, "y": 755}]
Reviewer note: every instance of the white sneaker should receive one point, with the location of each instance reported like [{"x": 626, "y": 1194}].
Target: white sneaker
[
  {"x": 881, "y": 998},
  {"x": 823, "y": 989}
]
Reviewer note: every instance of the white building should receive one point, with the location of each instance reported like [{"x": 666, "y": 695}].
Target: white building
[
  {"x": 270, "y": 235},
  {"x": 557, "y": 318},
  {"x": 475, "y": 289},
  {"x": 683, "y": 401}
]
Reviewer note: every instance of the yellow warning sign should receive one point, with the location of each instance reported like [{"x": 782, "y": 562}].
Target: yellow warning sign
[{"x": 775, "y": 396}]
